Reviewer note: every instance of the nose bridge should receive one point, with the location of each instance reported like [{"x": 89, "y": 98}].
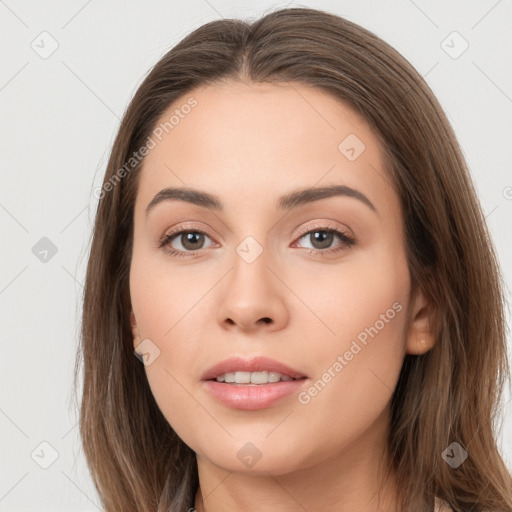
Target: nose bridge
[
  {"x": 250, "y": 272},
  {"x": 252, "y": 292}
]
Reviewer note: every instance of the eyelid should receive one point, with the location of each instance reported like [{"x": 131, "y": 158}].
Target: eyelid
[
  {"x": 187, "y": 226},
  {"x": 318, "y": 225},
  {"x": 170, "y": 233},
  {"x": 308, "y": 227},
  {"x": 324, "y": 225}
]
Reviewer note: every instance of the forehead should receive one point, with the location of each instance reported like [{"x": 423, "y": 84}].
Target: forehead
[{"x": 251, "y": 142}]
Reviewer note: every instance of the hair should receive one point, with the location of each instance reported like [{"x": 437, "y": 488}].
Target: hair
[{"x": 450, "y": 394}]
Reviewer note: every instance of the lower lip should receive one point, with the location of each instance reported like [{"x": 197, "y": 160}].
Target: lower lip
[{"x": 254, "y": 397}]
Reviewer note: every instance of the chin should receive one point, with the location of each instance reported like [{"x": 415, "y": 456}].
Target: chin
[{"x": 258, "y": 458}]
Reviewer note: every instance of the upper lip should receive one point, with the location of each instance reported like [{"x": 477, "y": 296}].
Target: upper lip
[{"x": 255, "y": 364}]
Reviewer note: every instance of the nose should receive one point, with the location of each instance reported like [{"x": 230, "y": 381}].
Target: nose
[{"x": 252, "y": 297}]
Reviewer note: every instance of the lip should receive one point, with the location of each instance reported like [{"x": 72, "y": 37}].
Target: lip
[
  {"x": 255, "y": 364},
  {"x": 252, "y": 397},
  {"x": 257, "y": 396}
]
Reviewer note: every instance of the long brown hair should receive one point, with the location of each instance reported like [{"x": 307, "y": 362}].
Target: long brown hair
[{"x": 450, "y": 394}]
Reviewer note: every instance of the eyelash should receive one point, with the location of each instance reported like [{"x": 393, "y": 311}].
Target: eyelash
[{"x": 347, "y": 241}]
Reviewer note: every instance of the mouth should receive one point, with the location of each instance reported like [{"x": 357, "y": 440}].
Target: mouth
[
  {"x": 258, "y": 370},
  {"x": 242, "y": 378},
  {"x": 252, "y": 384}
]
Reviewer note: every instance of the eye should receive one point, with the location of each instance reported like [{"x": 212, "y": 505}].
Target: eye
[
  {"x": 322, "y": 237},
  {"x": 191, "y": 240}
]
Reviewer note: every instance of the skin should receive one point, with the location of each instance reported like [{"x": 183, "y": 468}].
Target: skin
[{"x": 249, "y": 144}]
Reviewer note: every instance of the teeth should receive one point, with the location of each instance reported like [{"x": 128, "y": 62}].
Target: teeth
[{"x": 252, "y": 377}]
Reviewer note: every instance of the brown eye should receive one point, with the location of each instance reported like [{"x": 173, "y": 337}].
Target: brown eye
[
  {"x": 184, "y": 242},
  {"x": 321, "y": 239},
  {"x": 191, "y": 240}
]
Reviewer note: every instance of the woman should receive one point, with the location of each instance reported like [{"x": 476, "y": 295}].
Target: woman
[{"x": 361, "y": 371}]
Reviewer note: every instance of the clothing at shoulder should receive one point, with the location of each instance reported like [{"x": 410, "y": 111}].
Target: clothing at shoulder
[{"x": 441, "y": 506}]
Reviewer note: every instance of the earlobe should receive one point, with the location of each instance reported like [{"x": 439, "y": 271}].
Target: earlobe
[
  {"x": 422, "y": 344},
  {"x": 420, "y": 336}
]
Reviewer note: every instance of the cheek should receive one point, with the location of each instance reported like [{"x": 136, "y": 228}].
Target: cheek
[
  {"x": 167, "y": 306},
  {"x": 363, "y": 297},
  {"x": 162, "y": 295}
]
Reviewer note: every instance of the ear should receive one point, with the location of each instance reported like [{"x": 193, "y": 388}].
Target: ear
[
  {"x": 420, "y": 335},
  {"x": 135, "y": 331}
]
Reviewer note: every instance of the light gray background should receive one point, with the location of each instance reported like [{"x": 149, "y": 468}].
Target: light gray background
[{"x": 58, "y": 118}]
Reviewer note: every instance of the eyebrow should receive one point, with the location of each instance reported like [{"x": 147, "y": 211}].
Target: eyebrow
[{"x": 286, "y": 202}]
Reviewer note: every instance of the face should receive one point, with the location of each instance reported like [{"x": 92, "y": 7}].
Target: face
[{"x": 319, "y": 284}]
